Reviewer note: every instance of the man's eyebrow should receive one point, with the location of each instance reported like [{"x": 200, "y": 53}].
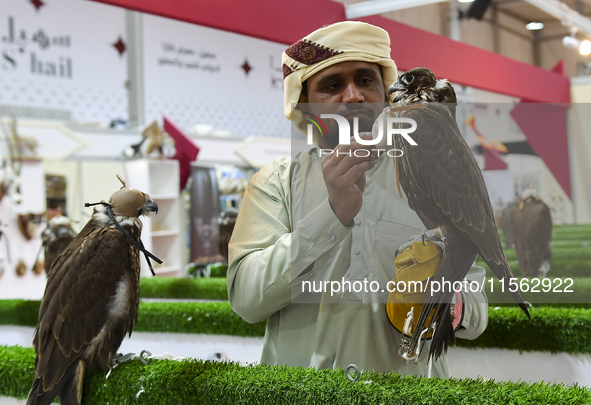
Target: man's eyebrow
[
  {"x": 368, "y": 71},
  {"x": 325, "y": 80},
  {"x": 361, "y": 71}
]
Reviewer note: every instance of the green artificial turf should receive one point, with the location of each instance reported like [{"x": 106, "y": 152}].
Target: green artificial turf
[
  {"x": 186, "y": 288},
  {"x": 175, "y": 317},
  {"x": 550, "y": 329},
  {"x": 558, "y": 267},
  {"x": 202, "y": 382}
]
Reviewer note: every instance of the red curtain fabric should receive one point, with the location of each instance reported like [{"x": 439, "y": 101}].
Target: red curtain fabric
[
  {"x": 286, "y": 22},
  {"x": 186, "y": 150},
  {"x": 545, "y": 127}
]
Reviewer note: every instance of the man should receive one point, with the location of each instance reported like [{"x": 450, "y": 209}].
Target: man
[{"x": 312, "y": 219}]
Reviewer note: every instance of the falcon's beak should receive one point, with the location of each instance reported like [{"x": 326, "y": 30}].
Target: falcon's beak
[
  {"x": 151, "y": 206},
  {"x": 397, "y": 87}
]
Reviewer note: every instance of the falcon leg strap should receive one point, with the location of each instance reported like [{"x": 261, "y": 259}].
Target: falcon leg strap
[
  {"x": 436, "y": 236},
  {"x": 406, "y": 334},
  {"x": 139, "y": 246},
  {"x": 406, "y": 356}
]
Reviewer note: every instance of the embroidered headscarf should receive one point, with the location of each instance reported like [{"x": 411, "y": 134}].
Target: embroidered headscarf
[{"x": 341, "y": 42}]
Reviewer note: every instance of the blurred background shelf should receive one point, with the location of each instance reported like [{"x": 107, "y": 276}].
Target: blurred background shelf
[{"x": 161, "y": 233}]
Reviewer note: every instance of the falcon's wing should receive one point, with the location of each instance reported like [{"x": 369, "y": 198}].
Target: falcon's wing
[
  {"x": 75, "y": 306},
  {"x": 443, "y": 167}
]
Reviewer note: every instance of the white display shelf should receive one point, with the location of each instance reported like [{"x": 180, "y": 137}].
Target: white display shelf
[
  {"x": 161, "y": 233},
  {"x": 164, "y": 197},
  {"x": 156, "y": 234},
  {"x": 167, "y": 271}
]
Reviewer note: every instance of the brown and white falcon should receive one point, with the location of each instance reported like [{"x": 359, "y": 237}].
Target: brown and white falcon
[
  {"x": 91, "y": 299},
  {"x": 445, "y": 187},
  {"x": 56, "y": 237},
  {"x": 531, "y": 224}
]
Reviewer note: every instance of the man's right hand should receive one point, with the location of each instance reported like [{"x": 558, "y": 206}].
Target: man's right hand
[{"x": 344, "y": 176}]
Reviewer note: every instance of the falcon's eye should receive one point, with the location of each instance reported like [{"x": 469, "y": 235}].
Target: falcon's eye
[{"x": 409, "y": 78}]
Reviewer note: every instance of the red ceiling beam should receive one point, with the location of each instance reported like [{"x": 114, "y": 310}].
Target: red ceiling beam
[{"x": 287, "y": 21}]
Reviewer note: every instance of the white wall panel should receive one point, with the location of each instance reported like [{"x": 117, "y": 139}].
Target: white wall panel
[
  {"x": 59, "y": 61},
  {"x": 194, "y": 75}
]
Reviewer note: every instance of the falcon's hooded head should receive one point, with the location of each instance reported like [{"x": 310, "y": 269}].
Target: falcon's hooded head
[
  {"x": 126, "y": 205},
  {"x": 129, "y": 202}
]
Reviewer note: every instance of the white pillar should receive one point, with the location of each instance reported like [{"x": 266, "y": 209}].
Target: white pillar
[
  {"x": 135, "y": 68},
  {"x": 455, "y": 29}
]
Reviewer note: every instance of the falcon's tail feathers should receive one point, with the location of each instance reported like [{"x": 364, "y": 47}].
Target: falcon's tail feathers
[
  {"x": 444, "y": 333},
  {"x": 38, "y": 397},
  {"x": 453, "y": 267},
  {"x": 503, "y": 272},
  {"x": 69, "y": 388}
]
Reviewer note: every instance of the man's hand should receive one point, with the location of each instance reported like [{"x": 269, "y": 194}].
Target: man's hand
[{"x": 344, "y": 176}]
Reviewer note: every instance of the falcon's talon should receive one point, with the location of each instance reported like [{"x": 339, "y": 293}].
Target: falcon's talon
[{"x": 121, "y": 358}]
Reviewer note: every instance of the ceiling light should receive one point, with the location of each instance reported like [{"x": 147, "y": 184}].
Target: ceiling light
[
  {"x": 585, "y": 48},
  {"x": 571, "y": 42},
  {"x": 465, "y": 1},
  {"x": 534, "y": 25}
]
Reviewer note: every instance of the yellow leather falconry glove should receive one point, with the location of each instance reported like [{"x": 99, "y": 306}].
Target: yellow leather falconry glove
[{"x": 415, "y": 264}]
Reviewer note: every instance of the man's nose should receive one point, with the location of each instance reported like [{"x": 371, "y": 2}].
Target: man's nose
[{"x": 352, "y": 94}]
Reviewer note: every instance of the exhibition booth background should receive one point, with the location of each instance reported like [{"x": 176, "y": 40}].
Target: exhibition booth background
[
  {"x": 220, "y": 81},
  {"x": 202, "y": 65}
]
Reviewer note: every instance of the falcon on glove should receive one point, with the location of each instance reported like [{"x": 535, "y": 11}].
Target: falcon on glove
[{"x": 445, "y": 187}]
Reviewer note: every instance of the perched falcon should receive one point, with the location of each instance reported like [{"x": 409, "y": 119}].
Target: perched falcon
[
  {"x": 445, "y": 186},
  {"x": 91, "y": 299},
  {"x": 226, "y": 223},
  {"x": 531, "y": 224},
  {"x": 56, "y": 237}
]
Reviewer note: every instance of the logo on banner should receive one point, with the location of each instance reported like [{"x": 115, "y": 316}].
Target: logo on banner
[{"x": 17, "y": 42}]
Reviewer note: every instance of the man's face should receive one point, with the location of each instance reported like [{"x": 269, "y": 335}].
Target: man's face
[{"x": 349, "y": 89}]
